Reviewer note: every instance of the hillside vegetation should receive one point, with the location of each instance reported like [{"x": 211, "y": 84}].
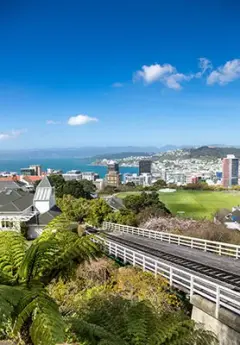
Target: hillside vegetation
[{"x": 216, "y": 152}]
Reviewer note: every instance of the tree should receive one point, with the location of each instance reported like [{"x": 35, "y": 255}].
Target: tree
[
  {"x": 98, "y": 211},
  {"x": 74, "y": 209},
  {"x": 88, "y": 186},
  {"x": 137, "y": 203},
  {"x": 112, "y": 320},
  {"x": 159, "y": 184},
  {"x": 58, "y": 182},
  {"x": 25, "y": 306},
  {"x": 123, "y": 216}
]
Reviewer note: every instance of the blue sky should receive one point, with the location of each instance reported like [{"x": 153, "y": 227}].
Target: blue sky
[{"x": 89, "y": 73}]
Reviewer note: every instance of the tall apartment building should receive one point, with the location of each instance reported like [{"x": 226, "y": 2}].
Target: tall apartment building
[
  {"x": 230, "y": 167},
  {"x": 145, "y": 166},
  {"x": 113, "y": 166},
  {"x": 32, "y": 170},
  {"x": 113, "y": 177}
]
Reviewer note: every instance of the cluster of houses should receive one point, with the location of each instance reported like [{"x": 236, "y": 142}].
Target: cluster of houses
[{"x": 22, "y": 207}]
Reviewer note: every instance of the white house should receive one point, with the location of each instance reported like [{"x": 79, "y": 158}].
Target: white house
[{"x": 34, "y": 210}]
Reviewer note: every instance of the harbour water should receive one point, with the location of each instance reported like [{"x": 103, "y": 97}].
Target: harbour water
[{"x": 64, "y": 164}]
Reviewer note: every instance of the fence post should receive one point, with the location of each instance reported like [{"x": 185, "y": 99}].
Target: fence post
[
  {"x": 237, "y": 253},
  {"x": 155, "y": 268},
  {"x": 143, "y": 263},
  {"x": 124, "y": 255},
  {"x": 110, "y": 248},
  {"x": 220, "y": 249},
  {"x": 179, "y": 240},
  {"x": 171, "y": 277},
  {"x": 205, "y": 246},
  {"x": 191, "y": 243},
  {"x": 217, "y": 301},
  {"x": 191, "y": 286},
  {"x": 134, "y": 258}
]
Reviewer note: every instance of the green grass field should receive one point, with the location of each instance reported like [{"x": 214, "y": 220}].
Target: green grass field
[{"x": 196, "y": 204}]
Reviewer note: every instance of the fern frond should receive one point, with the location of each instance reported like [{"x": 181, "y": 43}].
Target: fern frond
[
  {"x": 12, "y": 251},
  {"x": 55, "y": 254},
  {"x": 47, "y": 325},
  {"x": 90, "y": 332}
]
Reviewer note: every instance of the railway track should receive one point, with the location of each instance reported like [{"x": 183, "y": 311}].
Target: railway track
[{"x": 212, "y": 272}]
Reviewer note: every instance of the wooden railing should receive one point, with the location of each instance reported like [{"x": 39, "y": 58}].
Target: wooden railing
[{"x": 219, "y": 248}]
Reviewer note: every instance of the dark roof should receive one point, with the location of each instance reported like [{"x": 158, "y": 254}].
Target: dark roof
[
  {"x": 17, "y": 202},
  {"x": 114, "y": 202},
  {"x": 45, "y": 218},
  {"x": 222, "y": 214},
  {"x": 9, "y": 185},
  {"x": 44, "y": 183},
  {"x": 9, "y": 195}
]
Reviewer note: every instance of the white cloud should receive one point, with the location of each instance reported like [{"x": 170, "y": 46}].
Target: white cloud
[
  {"x": 12, "y": 134},
  {"x": 117, "y": 84},
  {"x": 152, "y": 73},
  {"x": 225, "y": 74},
  {"x": 79, "y": 120},
  {"x": 173, "y": 81},
  {"x": 52, "y": 122},
  {"x": 166, "y": 74},
  {"x": 205, "y": 65}
]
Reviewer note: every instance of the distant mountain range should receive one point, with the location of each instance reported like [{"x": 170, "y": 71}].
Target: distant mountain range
[
  {"x": 111, "y": 152},
  {"x": 214, "y": 151},
  {"x": 83, "y": 152}
]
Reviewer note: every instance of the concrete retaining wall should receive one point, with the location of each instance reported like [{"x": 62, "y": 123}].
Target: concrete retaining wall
[{"x": 226, "y": 327}]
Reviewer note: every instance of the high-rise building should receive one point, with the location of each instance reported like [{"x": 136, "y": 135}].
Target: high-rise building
[
  {"x": 145, "y": 166},
  {"x": 113, "y": 178},
  {"x": 113, "y": 166},
  {"x": 230, "y": 171},
  {"x": 32, "y": 170},
  {"x": 37, "y": 169}
]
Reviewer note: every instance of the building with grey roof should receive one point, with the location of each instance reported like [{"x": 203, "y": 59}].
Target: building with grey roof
[{"x": 36, "y": 210}]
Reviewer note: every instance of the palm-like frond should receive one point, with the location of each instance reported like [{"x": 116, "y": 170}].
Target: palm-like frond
[
  {"x": 134, "y": 323},
  {"x": 12, "y": 251},
  {"x": 55, "y": 253},
  {"x": 47, "y": 325}
]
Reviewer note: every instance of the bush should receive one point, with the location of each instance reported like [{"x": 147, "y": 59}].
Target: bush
[{"x": 188, "y": 227}]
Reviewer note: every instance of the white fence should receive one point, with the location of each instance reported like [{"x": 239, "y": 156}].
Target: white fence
[
  {"x": 194, "y": 285},
  {"x": 219, "y": 248}
]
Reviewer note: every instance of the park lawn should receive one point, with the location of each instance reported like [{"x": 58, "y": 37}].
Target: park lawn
[{"x": 196, "y": 204}]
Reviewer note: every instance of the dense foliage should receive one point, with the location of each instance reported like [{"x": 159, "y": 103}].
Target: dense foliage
[
  {"x": 111, "y": 305},
  {"x": 193, "y": 228},
  {"x": 137, "y": 203},
  {"x": 78, "y": 189},
  {"x": 27, "y": 311}
]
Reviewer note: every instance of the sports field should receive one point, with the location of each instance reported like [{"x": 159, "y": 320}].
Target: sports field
[{"x": 197, "y": 204}]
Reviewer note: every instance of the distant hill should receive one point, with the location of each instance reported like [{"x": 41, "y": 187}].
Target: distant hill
[
  {"x": 212, "y": 151},
  {"x": 121, "y": 155}
]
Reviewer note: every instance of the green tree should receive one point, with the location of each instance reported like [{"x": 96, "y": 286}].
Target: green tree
[
  {"x": 25, "y": 305},
  {"x": 112, "y": 320},
  {"x": 123, "y": 216},
  {"x": 98, "y": 211},
  {"x": 137, "y": 203},
  {"x": 58, "y": 182},
  {"x": 159, "y": 184},
  {"x": 88, "y": 186},
  {"x": 74, "y": 209}
]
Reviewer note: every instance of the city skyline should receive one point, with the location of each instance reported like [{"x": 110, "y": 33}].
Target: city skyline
[{"x": 107, "y": 75}]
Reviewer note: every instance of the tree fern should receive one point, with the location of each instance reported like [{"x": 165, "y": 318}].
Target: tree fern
[
  {"x": 47, "y": 325},
  {"x": 12, "y": 251},
  {"x": 54, "y": 254},
  {"x": 134, "y": 323}
]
